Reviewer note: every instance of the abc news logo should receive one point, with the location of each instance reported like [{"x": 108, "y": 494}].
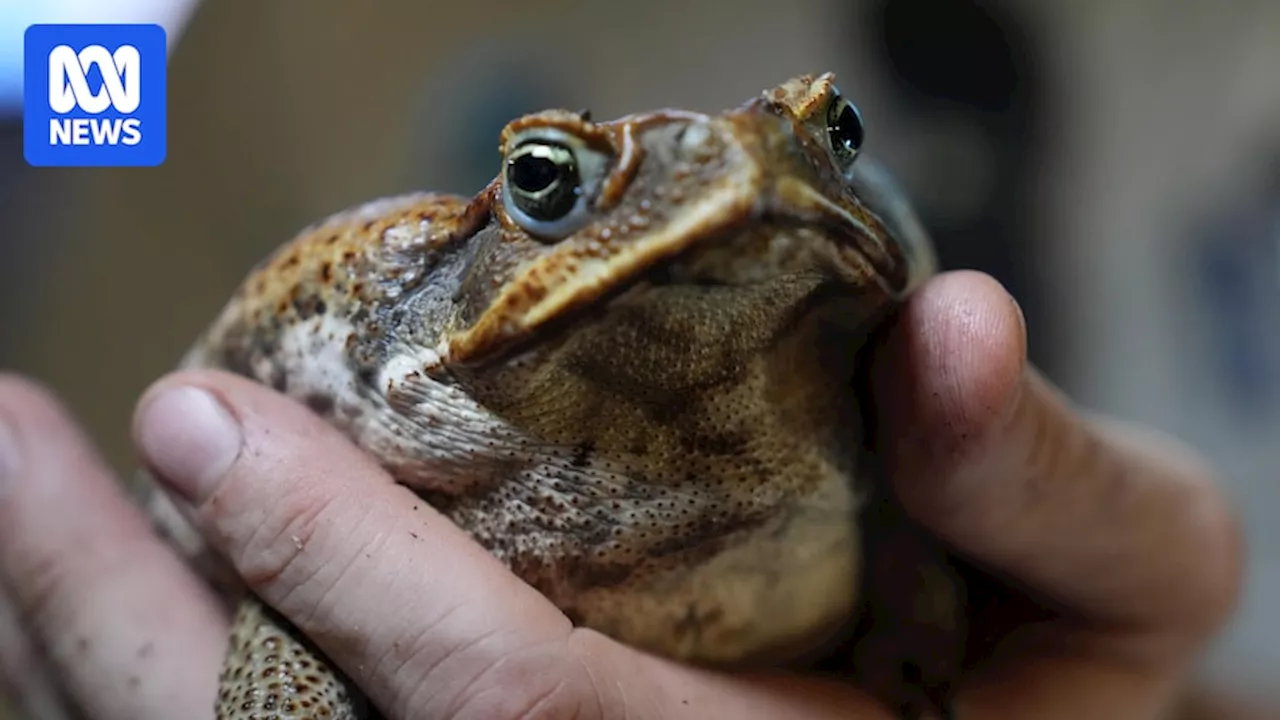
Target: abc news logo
[
  {"x": 95, "y": 95},
  {"x": 69, "y": 89}
]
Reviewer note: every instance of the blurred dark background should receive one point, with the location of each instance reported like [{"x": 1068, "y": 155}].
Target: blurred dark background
[{"x": 1115, "y": 164}]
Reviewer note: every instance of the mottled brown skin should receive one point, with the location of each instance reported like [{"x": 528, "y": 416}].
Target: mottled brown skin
[{"x": 648, "y": 413}]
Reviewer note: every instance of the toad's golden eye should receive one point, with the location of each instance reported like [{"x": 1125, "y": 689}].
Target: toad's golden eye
[
  {"x": 844, "y": 130},
  {"x": 549, "y": 180},
  {"x": 542, "y": 180}
]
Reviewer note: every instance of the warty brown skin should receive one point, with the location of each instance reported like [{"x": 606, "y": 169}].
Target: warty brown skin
[{"x": 647, "y": 413}]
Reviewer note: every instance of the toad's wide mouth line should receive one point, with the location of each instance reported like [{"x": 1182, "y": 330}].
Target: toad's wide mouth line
[
  {"x": 879, "y": 253},
  {"x": 679, "y": 271},
  {"x": 863, "y": 241},
  {"x": 844, "y": 246}
]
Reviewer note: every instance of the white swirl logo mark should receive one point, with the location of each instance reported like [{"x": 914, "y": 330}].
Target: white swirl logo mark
[{"x": 69, "y": 84}]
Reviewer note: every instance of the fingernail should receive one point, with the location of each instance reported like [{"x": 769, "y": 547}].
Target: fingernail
[
  {"x": 189, "y": 439},
  {"x": 9, "y": 458}
]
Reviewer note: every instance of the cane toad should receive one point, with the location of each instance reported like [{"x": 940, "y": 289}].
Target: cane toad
[{"x": 627, "y": 367}]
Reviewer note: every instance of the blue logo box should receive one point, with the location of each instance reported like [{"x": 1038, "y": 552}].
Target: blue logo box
[{"x": 94, "y": 95}]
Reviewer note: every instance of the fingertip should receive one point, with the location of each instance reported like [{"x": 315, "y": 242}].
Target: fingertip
[
  {"x": 951, "y": 371},
  {"x": 192, "y": 426},
  {"x": 217, "y": 382},
  {"x": 40, "y": 440},
  {"x": 21, "y": 389},
  {"x": 189, "y": 437},
  {"x": 30, "y": 411}
]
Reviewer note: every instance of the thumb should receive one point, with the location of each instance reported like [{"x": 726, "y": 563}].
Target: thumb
[{"x": 1115, "y": 522}]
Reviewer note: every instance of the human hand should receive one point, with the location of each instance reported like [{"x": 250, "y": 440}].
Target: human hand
[{"x": 1124, "y": 531}]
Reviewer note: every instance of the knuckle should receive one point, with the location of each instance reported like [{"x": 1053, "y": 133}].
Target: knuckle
[
  {"x": 269, "y": 548},
  {"x": 1224, "y": 551},
  {"x": 298, "y": 552},
  {"x": 1205, "y": 528},
  {"x": 532, "y": 683},
  {"x": 1202, "y": 510}
]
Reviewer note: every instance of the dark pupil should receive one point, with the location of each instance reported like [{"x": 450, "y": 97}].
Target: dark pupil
[
  {"x": 534, "y": 174},
  {"x": 847, "y": 129},
  {"x": 543, "y": 181}
]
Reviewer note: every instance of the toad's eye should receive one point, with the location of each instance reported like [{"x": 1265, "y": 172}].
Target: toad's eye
[
  {"x": 547, "y": 183},
  {"x": 543, "y": 180},
  {"x": 844, "y": 130}
]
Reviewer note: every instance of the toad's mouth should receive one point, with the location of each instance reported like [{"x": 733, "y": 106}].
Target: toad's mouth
[
  {"x": 864, "y": 248},
  {"x": 744, "y": 232},
  {"x": 763, "y": 252},
  {"x": 730, "y": 267}
]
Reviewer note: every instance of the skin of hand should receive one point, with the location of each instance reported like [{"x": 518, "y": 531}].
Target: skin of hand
[{"x": 1125, "y": 531}]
